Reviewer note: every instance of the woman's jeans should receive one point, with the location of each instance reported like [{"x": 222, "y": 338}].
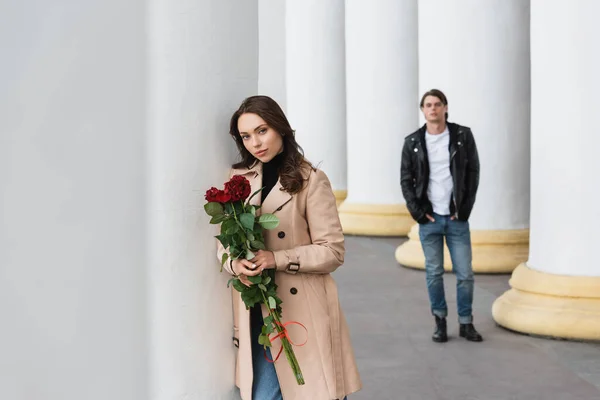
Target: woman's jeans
[
  {"x": 458, "y": 239},
  {"x": 266, "y": 384}
]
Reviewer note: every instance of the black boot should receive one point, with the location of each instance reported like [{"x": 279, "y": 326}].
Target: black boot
[
  {"x": 441, "y": 332},
  {"x": 468, "y": 332}
]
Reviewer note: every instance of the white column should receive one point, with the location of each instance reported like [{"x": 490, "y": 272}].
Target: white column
[
  {"x": 382, "y": 98},
  {"x": 557, "y": 292},
  {"x": 72, "y": 208},
  {"x": 203, "y": 64},
  {"x": 477, "y": 53},
  {"x": 316, "y": 85},
  {"x": 271, "y": 50}
]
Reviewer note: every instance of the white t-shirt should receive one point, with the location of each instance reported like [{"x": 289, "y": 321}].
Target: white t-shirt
[{"x": 440, "y": 186}]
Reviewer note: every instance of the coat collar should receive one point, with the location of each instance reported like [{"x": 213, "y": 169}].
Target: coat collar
[{"x": 276, "y": 198}]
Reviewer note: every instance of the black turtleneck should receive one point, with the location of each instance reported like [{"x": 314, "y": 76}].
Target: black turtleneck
[{"x": 271, "y": 174}]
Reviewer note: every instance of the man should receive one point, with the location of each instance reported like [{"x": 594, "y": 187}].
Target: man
[{"x": 439, "y": 178}]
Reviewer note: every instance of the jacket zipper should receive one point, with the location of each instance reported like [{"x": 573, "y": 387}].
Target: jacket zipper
[{"x": 453, "y": 183}]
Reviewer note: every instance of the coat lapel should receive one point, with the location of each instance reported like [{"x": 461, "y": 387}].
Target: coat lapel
[{"x": 276, "y": 199}]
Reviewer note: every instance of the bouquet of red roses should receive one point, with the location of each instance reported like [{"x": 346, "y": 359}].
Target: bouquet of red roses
[{"x": 241, "y": 235}]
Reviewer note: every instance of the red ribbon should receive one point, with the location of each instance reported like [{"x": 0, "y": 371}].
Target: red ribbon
[{"x": 284, "y": 333}]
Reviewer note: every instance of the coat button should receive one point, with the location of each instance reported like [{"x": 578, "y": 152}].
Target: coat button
[
  {"x": 281, "y": 235},
  {"x": 293, "y": 290}
]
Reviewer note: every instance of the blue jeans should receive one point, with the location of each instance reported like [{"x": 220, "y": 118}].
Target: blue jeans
[
  {"x": 265, "y": 383},
  {"x": 458, "y": 239}
]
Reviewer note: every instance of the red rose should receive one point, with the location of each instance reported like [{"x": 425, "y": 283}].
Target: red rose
[
  {"x": 215, "y": 195},
  {"x": 238, "y": 188}
]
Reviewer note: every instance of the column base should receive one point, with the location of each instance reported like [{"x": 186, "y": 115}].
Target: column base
[
  {"x": 340, "y": 196},
  {"x": 493, "y": 251},
  {"x": 375, "y": 219},
  {"x": 550, "y": 305}
]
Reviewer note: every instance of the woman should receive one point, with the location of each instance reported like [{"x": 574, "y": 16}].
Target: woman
[{"x": 305, "y": 248}]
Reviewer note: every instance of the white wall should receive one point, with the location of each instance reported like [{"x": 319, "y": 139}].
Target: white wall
[
  {"x": 203, "y": 63},
  {"x": 114, "y": 121},
  {"x": 565, "y": 185},
  {"x": 72, "y": 190},
  {"x": 272, "y": 60},
  {"x": 477, "y": 53}
]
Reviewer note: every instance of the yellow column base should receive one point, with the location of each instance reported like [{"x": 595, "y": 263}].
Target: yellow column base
[
  {"x": 340, "y": 196},
  {"x": 493, "y": 251},
  {"x": 544, "y": 304},
  {"x": 375, "y": 219}
]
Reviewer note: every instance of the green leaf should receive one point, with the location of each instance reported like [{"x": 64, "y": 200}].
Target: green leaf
[
  {"x": 251, "y": 296},
  {"x": 250, "y": 236},
  {"x": 239, "y": 286},
  {"x": 247, "y": 220},
  {"x": 238, "y": 207},
  {"x": 232, "y": 230},
  {"x": 256, "y": 244},
  {"x": 272, "y": 303},
  {"x": 258, "y": 235},
  {"x": 268, "y": 320},
  {"x": 228, "y": 208},
  {"x": 217, "y": 219},
  {"x": 263, "y": 339},
  {"x": 255, "y": 279},
  {"x": 268, "y": 221},
  {"x": 257, "y": 299},
  {"x": 262, "y": 287},
  {"x": 230, "y": 281},
  {"x": 267, "y": 280},
  {"x": 228, "y": 223},
  {"x": 270, "y": 329},
  {"x": 252, "y": 210},
  {"x": 235, "y": 251},
  {"x": 248, "y": 295},
  {"x": 224, "y": 239},
  {"x": 213, "y": 208},
  {"x": 224, "y": 258},
  {"x": 249, "y": 255}
]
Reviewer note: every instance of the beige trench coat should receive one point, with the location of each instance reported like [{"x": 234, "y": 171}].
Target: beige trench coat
[{"x": 308, "y": 245}]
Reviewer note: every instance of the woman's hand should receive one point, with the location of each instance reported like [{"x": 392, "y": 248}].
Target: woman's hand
[
  {"x": 264, "y": 259},
  {"x": 244, "y": 268}
]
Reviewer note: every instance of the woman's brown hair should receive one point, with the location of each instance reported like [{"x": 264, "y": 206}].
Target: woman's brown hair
[{"x": 294, "y": 162}]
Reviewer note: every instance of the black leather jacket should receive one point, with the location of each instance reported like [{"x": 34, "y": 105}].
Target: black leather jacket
[{"x": 464, "y": 167}]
